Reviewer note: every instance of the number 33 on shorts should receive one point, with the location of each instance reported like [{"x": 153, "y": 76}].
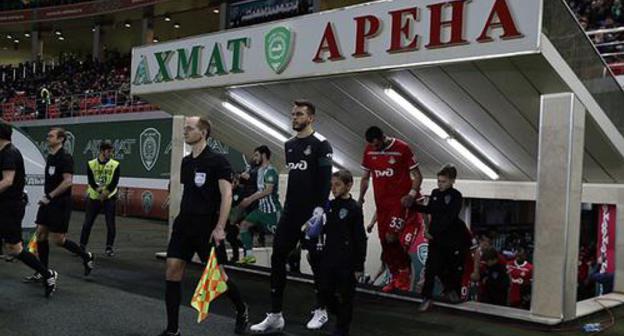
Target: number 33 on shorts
[{"x": 396, "y": 224}]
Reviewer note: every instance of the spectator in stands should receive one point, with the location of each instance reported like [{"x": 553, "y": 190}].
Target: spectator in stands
[
  {"x": 520, "y": 273},
  {"x": 602, "y": 14},
  {"x": 494, "y": 278},
  {"x": 72, "y": 86},
  {"x": 602, "y": 279},
  {"x": 485, "y": 242}
]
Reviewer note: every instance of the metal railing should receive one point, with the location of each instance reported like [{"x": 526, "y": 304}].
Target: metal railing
[
  {"x": 606, "y": 31},
  {"x": 611, "y": 50},
  {"x": 96, "y": 103}
]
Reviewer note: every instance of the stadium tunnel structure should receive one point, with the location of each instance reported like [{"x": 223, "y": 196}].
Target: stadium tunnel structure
[{"x": 510, "y": 91}]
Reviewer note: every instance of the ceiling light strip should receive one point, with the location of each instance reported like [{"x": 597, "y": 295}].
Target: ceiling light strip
[
  {"x": 416, "y": 113},
  {"x": 440, "y": 132},
  {"x": 268, "y": 116},
  {"x": 472, "y": 158},
  {"x": 257, "y": 123},
  {"x": 339, "y": 164}
]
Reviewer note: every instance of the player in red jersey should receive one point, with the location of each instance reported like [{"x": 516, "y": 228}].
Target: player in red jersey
[
  {"x": 521, "y": 274},
  {"x": 392, "y": 164},
  {"x": 468, "y": 285}
]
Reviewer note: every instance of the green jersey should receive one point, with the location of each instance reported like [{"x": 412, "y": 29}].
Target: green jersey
[{"x": 269, "y": 203}]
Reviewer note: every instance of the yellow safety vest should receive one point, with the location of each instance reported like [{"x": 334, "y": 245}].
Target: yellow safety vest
[{"x": 103, "y": 175}]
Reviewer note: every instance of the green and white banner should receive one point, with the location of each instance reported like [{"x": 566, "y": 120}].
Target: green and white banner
[
  {"x": 142, "y": 146},
  {"x": 372, "y": 36}
]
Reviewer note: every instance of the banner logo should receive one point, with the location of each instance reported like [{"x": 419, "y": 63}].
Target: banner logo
[
  {"x": 278, "y": 48},
  {"x": 423, "y": 251},
  {"x": 149, "y": 147},
  {"x": 148, "y": 201},
  {"x": 70, "y": 142}
]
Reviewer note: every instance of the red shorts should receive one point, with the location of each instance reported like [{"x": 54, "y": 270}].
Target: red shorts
[{"x": 400, "y": 221}]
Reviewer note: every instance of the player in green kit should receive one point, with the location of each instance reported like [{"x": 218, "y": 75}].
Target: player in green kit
[{"x": 269, "y": 208}]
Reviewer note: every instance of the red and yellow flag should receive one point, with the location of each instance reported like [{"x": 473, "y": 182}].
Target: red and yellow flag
[
  {"x": 211, "y": 285},
  {"x": 32, "y": 244}
]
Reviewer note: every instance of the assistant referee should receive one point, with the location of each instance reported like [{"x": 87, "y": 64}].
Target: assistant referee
[{"x": 206, "y": 202}]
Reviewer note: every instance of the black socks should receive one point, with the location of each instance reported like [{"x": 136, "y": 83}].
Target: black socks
[
  {"x": 173, "y": 296},
  {"x": 31, "y": 261},
  {"x": 74, "y": 248},
  {"x": 43, "y": 250},
  {"x": 234, "y": 295}
]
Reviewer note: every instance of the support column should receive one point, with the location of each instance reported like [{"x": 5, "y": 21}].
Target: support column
[
  {"x": 97, "y": 43},
  {"x": 619, "y": 247},
  {"x": 177, "y": 153},
  {"x": 147, "y": 31},
  {"x": 36, "y": 46},
  {"x": 223, "y": 11},
  {"x": 558, "y": 208}
]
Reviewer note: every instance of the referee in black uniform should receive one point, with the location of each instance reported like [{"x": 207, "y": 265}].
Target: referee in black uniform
[
  {"x": 206, "y": 202},
  {"x": 55, "y": 206},
  {"x": 13, "y": 206},
  {"x": 309, "y": 159}
]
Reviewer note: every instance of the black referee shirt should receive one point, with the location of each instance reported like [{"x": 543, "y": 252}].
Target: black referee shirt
[
  {"x": 11, "y": 159},
  {"x": 57, "y": 165},
  {"x": 200, "y": 177}
]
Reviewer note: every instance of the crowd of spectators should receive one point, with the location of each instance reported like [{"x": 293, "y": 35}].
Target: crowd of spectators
[
  {"x": 598, "y": 14},
  {"x": 603, "y": 14},
  {"x": 72, "y": 75},
  {"x": 68, "y": 86},
  {"x": 28, "y": 4}
]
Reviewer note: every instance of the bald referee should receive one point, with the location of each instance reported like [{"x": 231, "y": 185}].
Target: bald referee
[{"x": 206, "y": 202}]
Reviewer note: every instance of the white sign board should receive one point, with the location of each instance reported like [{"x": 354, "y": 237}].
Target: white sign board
[{"x": 377, "y": 35}]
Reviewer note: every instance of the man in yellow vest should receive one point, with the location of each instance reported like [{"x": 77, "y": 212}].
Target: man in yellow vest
[{"x": 103, "y": 176}]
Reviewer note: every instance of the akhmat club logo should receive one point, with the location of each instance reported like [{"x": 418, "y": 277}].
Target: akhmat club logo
[
  {"x": 70, "y": 142},
  {"x": 149, "y": 147},
  {"x": 278, "y": 48},
  {"x": 423, "y": 251},
  {"x": 148, "y": 201}
]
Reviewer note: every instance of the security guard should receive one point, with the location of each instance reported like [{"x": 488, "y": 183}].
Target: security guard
[{"x": 103, "y": 176}]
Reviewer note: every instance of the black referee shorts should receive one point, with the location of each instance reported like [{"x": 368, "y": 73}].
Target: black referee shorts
[
  {"x": 55, "y": 216},
  {"x": 11, "y": 216},
  {"x": 190, "y": 235}
]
